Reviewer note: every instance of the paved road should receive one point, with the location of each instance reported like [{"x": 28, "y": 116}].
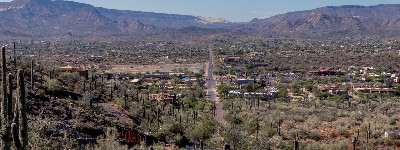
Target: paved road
[{"x": 212, "y": 91}]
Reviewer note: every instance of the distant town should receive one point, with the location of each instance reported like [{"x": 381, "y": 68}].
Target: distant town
[
  {"x": 213, "y": 94},
  {"x": 76, "y": 76}
]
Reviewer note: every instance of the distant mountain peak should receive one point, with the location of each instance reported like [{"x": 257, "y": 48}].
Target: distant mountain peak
[
  {"x": 332, "y": 21},
  {"x": 319, "y": 17},
  {"x": 134, "y": 26},
  {"x": 346, "y": 6},
  {"x": 209, "y": 20},
  {"x": 27, "y": 1}
]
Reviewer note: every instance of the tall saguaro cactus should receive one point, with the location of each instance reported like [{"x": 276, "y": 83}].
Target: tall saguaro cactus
[
  {"x": 10, "y": 121},
  {"x": 9, "y": 99},
  {"x": 21, "y": 141},
  {"x": 32, "y": 82},
  {"x": 15, "y": 128},
  {"x": 7, "y": 137},
  {"x": 15, "y": 56},
  {"x": 4, "y": 81},
  {"x": 8, "y": 117},
  {"x": 4, "y": 110},
  {"x": 5, "y": 107}
]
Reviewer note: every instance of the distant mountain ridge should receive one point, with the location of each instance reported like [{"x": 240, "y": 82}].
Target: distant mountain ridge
[
  {"x": 332, "y": 20},
  {"x": 47, "y": 18},
  {"x": 161, "y": 20},
  {"x": 39, "y": 19}
]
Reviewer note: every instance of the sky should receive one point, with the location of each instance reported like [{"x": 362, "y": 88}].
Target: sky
[{"x": 233, "y": 10}]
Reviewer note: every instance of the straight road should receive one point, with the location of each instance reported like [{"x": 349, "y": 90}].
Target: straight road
[{"x": 212, "y": 90}]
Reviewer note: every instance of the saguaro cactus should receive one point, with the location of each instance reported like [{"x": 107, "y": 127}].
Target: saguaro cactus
[
  {"x": 144, "y": 111},
  {"x": 4, "y": 103},
  {"x": 4, "y": 110},
  {"x": 15, "y": 128},
  {"x": 279, "y": 127},
  {"x": 84, "y": 86},
  {"x": 7, "y": 137},
  {"x": 32, "y": 83},
  {"x": 24, "y": 127},
  {"x": 111, "y": 91},
  {"x": 354, "y": 143},
  {"x": 15, "y": 56},
  {"x": 11, "y": 121},
  {"x": 296, "y": 143}
]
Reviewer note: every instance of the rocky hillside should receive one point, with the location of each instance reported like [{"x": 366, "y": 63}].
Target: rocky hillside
[
  {"x": 26, "y": 19},
  {"x": 160, "y": 20},
  {"x": 336, "y": 21}
]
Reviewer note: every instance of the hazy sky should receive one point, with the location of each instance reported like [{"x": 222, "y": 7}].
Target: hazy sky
[{"x": 234, "y": 10}]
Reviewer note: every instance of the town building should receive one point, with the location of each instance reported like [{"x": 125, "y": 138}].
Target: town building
[
  {"x": 333, "y": 89},
  {"x": 82, "y": 72},
  {"x": 230, "y": 59}
]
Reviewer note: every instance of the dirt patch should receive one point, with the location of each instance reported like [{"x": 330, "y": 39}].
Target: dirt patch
[{"x": 112, "y": 109}]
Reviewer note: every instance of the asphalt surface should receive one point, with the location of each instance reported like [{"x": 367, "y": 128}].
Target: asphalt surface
[{"x": 211, "y": 91}]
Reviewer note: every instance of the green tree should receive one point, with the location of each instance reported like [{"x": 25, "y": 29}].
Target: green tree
[
  {"x": 389, "y": 82},
  {"x": 296, "y": 88},
  {"x": 222, "y": 88},
  {"x": 51, "y": 85},
  {"x": 368, "y": 79},
  {"x": 202, "y": 131},
  {"x": 308, "y": 87},
  {"x": 283, "y": 94},
  {"x": 342, "y": 79},
  {"x": 251, "y": 87}
]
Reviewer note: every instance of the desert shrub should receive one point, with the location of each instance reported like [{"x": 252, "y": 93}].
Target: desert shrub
[
  {"x": 70, "y": 77},
  {"x": 86, "y": 98},
  {"x": 202, "y": 131},
  {"x": 107, "y": 141},
  {"x": 378, "y": 133},
  {"x": 293, "y": 132},
  {"x": 382, "y": 119},
  {"x": 312, "y": 122},
  {"x": 277, "y": 142},
  {"x": 342, "y": 125},
  {"x": 43, "y": 133},
  {"x": 357, "y": 115},
  {"x": 342, "y": 144},
  {"x": 312, "y": 145},
  {"x": 342, "y": 113},
  {"x": 252, "y": 125},
  {"x": 290, "y": 124},
  {"x": 170, "y": 132},
  {"x": 52, "y": 85},
  {"x": 298, "y": 118}
]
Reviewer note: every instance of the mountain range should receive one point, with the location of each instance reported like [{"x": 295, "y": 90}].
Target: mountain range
[
  {"x": 47, "y": 18},
  {"x": 37, "y": 19},
  {"x": 382, "y": 20}
]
